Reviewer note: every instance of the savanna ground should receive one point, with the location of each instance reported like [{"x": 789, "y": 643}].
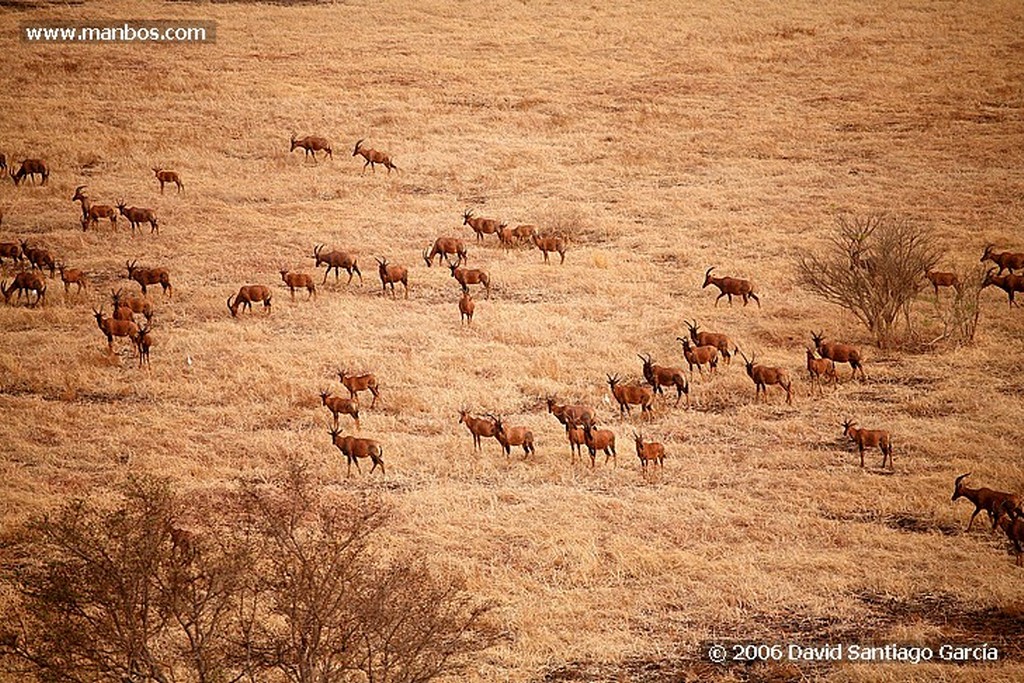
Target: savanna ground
[{"x": 665, "y": 137}]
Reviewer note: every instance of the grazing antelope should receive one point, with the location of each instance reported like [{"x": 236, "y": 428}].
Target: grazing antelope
[
  {"x": 513, "y": 436},
  {"x": 143, "y": 341},
  {"x": 11, "y": 250},
  {"x": 839, "y": 353},
  {"x": 763, "y": 376},
  {"x": 168, "y": 177},
  {"x": 466, "y": 277},
  {"x": 354, "y": 448},
  {"x": 72, "y": 276},
  {"x": 1009, "y": 283},
  {"x": 92, "y": 213},
  {"x": 730, "y": 287},
  {"x": 1006, "y": 260},
  {"x": 389, "y": 275},
  {"x": 373, "y": 157},
  {"x": 338, "y": 405},
  {"x": 30, "y": 167},
  {"x": 479, "y": 427},
  {"x": 574, "y": 414},
  {"x": 134, "y": 303},
  {"x": 481, "y": 226},
  {"x": 600, "y": 440},
  {"x": 942, "y": 279},
  {"x": 549, "y": 243},
  {"x": 299, "y": 281},
  {"x": 721, "y": 341},
  {"x": 336, "y": 260},
  {"x": 115, "y": 328},
  {"x": 39, "y": 258},
  {"x": 357, "y": 383},
  {"x": 150, "y": 276},
  {"x": 524, "y": 233},
  {"x": 577, "y": 440},
  {"x": 650, "y": 452},
  {"x": 869, "y": 438},
  {"x": 1013, "y": 525},
  {"x": 659, "y": 376},
  {"x": 466, "y": 308},
  {"x": 985, "y": 499},
  {"x": 136, "y": 217},
  {"x": 443, "y": 248},
  {"x": 312, "y": 144},
  {"x": 630, "y": 395},
  {"x": 25, "y": 282},
  {"x": 699, "y": 356},
  {"x": 247, "y": 296},
  {"x": 819, "y": 368}
]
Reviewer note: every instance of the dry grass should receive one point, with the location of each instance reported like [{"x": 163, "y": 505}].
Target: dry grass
[{"x": 664, "y": 137}]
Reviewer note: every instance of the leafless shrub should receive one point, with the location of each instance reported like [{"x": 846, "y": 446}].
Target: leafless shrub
[{"x": 959, "y": 315}]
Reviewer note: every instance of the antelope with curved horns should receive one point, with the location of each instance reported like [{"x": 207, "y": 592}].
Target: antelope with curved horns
[
  {"x": 764, "y": 376},
  {"x": 373, "y": 157},
  {"x": 312, "y": 144},
  {"x": 659, "y": 376},
  {"x": 336, "y": 260},
  {"x": 730, "y": 287},
  {"x": 389, "y": 275},
  {"x": 443, "y": 248}
]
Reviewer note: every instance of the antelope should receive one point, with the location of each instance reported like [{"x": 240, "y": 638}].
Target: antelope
[
  {"x": 650, "y": 452},
  {"x": 168, "y": 177},
  {"x": 466, "y": 307},
  {"x": 479, "y": 427},
  {"x": 11, "y": 250},
  {"x": 72, "y": 276},
  {"x": 659, "y": 376},
  {"x": 25, "y": 282},
  {"x": 524, "y": 233},
  {"x": 150, "y": 276},
  {"x": 764, "y": 376},
  {"x": 819, "y": 368},
  {"x": 628, "y": 395},
  {"x": 869, "y": 438},
  {"x": 600, "y": 440},
  {"x": 357, "y": 383},
  {"x": 566, "y": 413},
  {"x": 136, "y": 217},
  {"x": 721, "y": 341},
  {"x": 481, "y": 226},
  {"x": 143, "y": 340},
  {"x": 577, "y": 440},
  {"x": 247, "y": 296},
  {"x": 1013, "y": 525},
  {"x": 3, "y": 161},
  {"x": 389, "y": 275},
  {"x": 505, "y": 236},
  {"x": 985, "y": 499},
  {"x": 312, "y": 144},
  {"x": 1006, "y": 260},
  {"x": 730, "y": 287},
  {"x": 839, "y": 353},
  {"x": 1009, "y": 283},
  {"x": 513, "y": 436},
  {"x": 443, "y": 247},
  {"x": 336, "y": 260},
  {"x": 32, "y": 168},
  {"x": 114, "y": 328},
  {"x": 39, "y": 258},
  {"x": 298, "y": 281},
  {"x": 373, "y": 157},
  {"x": 92, "y": 213},
  {"x": 549, "y": 243},
  {"x": 338, "y": 405},
  {"x": 354, "y": 448},
  {"x": 84, "y": 200},
  {"x": 942, "y": 279},
  {"x": 699, "y": 356},
  {"x": 133, "y": 303},
  {"x": 466, "y": 277}
]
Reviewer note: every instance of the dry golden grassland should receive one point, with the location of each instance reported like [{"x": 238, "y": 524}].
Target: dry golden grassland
[{"x": 664, "y": 137}]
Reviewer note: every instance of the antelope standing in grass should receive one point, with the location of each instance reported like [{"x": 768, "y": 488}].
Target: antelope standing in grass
[
  {"x": 32, "y": 168},
  {"x": 247, "y": 296},
  {"x": 765, "y": 376},
  {"x": 942, "y": 279},
  {"x": 730, "y": 287},
  {"x": 467, "y": 276},
  {"x": 336, "y": 260},
  {"x": 150, "y": 276},
  {"x": 143, "y": 341},
  {"x": 630, "y": 395},
  {"x": 479, "y": 427},
  {"x": 600, "y": 440},
  {"x": 357, "y": 383},
  {"x": 524, "y": 233},
  {"x": 570, "y": 414},
  {"x": 869, "y": 438},
  {"x": 443, "y": 248},
  {"x": 39, "y": 258},
  {"x": 551, "y": 243},
  {"x": 25, "y": 282},
  {"x": 466, "y": 308},
  {"x": 72, "y": 276},
  {"x": 135, "y": 303},
  {"x": 137, "y": 216},
  {"x": 481, "y": 226},
  {"x": 650, "y": 452},
  {"x": 513, "y": 436},
  {"x": 699, "y": 356},
  {"x": 722, "y": 342},
  {"x": 354, "y": 448},
  {"x": 338, "y": 405},
  {"x": 298, "y": 281},
  {"x": 820, "y": 368},
  {"x": 389, "y": 275},
  {"x": 839, "y": 353},
  {"x": 986, "y": 499},
  {"x": 577, "y": 440},
  {"x": 165, "y": 176},
  {"x": 373, "y": 157},
  {"x": 1013, "y": 525},
  {"x": 659, "y": 376},
  {"x": 1010, "y": 283},
  {"x": 312, "y": 144},
  {"x": 1006, "y": 260},
  {"x": 11, "y": 250},
  {"x": 115, "y": 328}
]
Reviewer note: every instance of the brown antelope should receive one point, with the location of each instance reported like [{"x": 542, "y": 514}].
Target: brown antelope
[
  {"x": 143, "y": 341},
  {"x": 659, "y": 376},
  {"x": 136, "y": 217},
  {"x": 72, "y": 276},
  {"x": 481, "y": 226},
  {"x": 299, "y": 281},
  {"x": 839, "y": 353},
  {"x": 92, "y": 213},
  {"x": 466, "y": 277},
  {"x": 389, "y": 275},
  {"x": 524, "y": 233},
  {"x": 1013, "y": 525},
  {"x": 11, "y": 250},
  {"x": 357, "y": 383},
  {"x": 445, "y": 247},
  {"x": 869, "y": 438},
  {"x": 466, "y": 308},
  {"x": 338, "y": 405},
  {"x": 985, "y": 499},
  {"x": 650, "y": 452},
  {"x": 134, "y": 303},
  {"x": 312, "y": 144},
  {"x": 629, "y": 395},
  {"x": 942, "y": 279},
  {"x": 354, "y": 448},
  {"x": 699, "y": 356},
  {"x": 577, "y": 440},
  {"x": 1006, "y": 260},
  {"x": 600, "y": 440},
  {"x": 764, "y": 376},
  {"x": 150, "y": 276},
  {"x": 549, "y": 243},
  {"x": 721, "y": 341},
  {"x": 31, "y": 167},
  {"x": 819, "y": 368},
  {"x": 84, "y": 200},
  {"x": 373, "y": 157},
  {"x": 336, "y": 260},
  {"x": 505, "y": 236},
  {"x": 115, "y": 328},
  {"x": 247, "y": 296},
  {"x": 479, "y": 427},
  {"x": 165, "y": 176},
  {"x": 25, "y": 282},
  {"x": 574, "y": 414},
  {"x": 513, "y": 436},
  {"x": 730, "y": 287},
  {"x": 39, "y": 258},
  {"x": 1009, "y": 283}
]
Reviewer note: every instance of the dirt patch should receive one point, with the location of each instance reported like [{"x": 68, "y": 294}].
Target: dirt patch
[{"x": 901, "y": 521}]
